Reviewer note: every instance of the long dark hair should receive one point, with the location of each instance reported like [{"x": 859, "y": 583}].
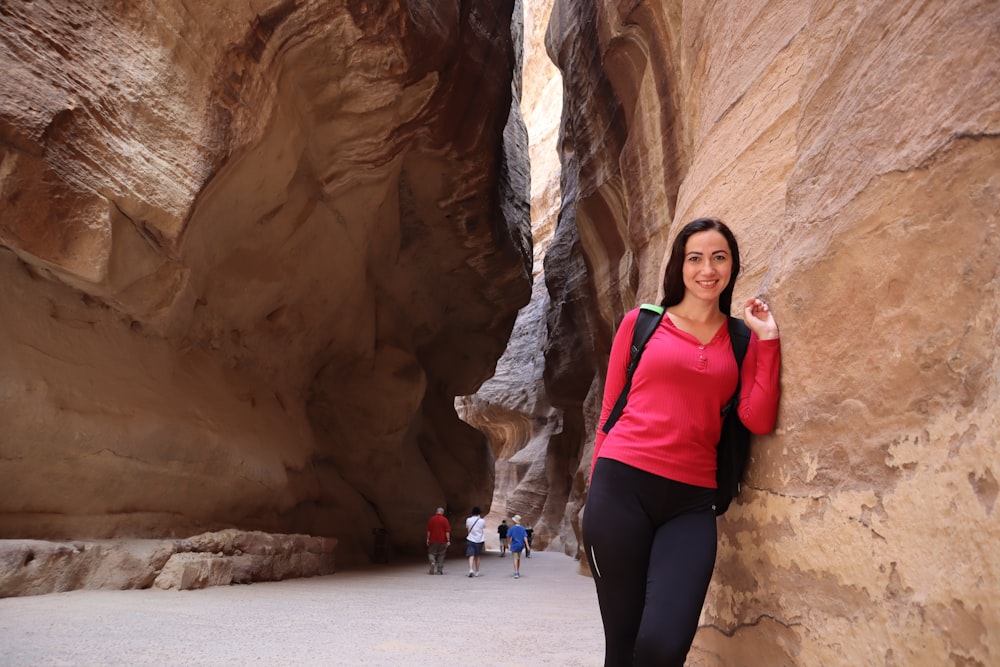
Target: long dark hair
[{"x": 673, "y": 278}]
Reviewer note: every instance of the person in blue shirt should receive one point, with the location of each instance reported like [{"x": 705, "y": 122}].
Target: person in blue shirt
[{"x": 517, "y": 539}]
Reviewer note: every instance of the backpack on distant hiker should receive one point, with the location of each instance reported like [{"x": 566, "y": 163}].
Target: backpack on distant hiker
[{"x": 733, "y": 450}]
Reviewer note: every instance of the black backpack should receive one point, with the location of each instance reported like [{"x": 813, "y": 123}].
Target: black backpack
[{"x": 734, "y": 445}]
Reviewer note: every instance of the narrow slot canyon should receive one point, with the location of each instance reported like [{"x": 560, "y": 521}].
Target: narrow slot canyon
[{"x": 283, "y": 276}]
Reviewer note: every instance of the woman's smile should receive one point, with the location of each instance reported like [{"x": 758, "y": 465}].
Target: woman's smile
[{"x": 708, "y": 264}]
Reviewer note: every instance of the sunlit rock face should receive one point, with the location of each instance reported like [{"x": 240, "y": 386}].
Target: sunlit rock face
[
  {"x": 250, "y": 252},
  {"x": 854, "y": 150}
]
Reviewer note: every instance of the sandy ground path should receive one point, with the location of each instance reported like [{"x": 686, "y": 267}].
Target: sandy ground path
[{"x": 383, "y": 615}]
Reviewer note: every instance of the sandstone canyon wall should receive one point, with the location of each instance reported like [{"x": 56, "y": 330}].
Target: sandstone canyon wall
[
  {"x": 536, "y": 452},
  {"x": 249, "y": 254},
  {"x": 854, "y": 149}
]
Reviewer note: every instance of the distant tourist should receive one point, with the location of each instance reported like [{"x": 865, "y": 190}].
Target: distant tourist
[
  {"x": 649, "y": 526},
  {"x": 518, "y": 537},
  {"x": 438, "y": 540},
  {"x": 502, "y": 532},
  {"x": 531, "y": 536},
  {"x": 475, "y": 540}
]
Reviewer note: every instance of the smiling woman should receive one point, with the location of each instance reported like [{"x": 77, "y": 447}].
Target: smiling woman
[
  {"x": 707, "y": 265},
  {"x": 652, "y": 569},
  {"x": 700, "y": 238}
]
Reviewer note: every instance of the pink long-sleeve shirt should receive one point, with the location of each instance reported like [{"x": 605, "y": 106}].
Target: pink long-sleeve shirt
[{"x": 671, "y": 424}]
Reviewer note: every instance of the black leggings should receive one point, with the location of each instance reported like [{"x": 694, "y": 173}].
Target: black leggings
[{"x": 651, "y": 545}]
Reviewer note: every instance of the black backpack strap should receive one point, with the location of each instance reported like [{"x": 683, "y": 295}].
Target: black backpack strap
[
  {"x": 733, "y": 451},
  {"x": 648, "y": 319},
  {"x": 739, "y": 337}
]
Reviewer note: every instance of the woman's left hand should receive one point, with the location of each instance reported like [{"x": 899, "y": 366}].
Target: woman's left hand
[{"x": 759, "y": 318}]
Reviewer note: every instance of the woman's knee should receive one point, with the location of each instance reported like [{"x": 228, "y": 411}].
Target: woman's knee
[{"x": 661, "y": 649}]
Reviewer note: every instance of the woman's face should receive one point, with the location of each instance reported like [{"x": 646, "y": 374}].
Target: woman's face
[{"x": 708, "y": 265}]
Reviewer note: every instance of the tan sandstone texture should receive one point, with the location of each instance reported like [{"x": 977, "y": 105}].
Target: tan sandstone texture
[
  {"x": 854, "y": 149},
  {"x": 249, "y": 254}
]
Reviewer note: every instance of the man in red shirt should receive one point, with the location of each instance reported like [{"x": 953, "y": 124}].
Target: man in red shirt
[{"x": 438, "y": 540}]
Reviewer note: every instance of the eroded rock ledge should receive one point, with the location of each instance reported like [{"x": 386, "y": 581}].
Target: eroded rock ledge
[{"x": 36, "y": 567}]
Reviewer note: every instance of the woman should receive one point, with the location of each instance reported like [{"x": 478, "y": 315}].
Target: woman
[{"x": 649, "y": 523}]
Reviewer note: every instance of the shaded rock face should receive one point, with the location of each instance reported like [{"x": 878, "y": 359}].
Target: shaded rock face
[
  {"x": 249, "y": 255},
  {"x": 854, "y": 152},
  {"x": 534, "y": 474}
]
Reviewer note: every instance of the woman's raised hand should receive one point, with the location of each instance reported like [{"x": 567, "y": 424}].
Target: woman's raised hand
[{"x": 758, "y": 317}]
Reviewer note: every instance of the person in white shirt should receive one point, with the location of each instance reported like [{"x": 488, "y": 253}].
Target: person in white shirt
[{"x": 475, "y": 540}]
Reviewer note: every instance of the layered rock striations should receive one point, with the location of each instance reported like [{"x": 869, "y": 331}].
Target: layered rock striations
[
  {"x": 854, "y": 150},
  {"x": 534, "y": 475},
  {"x": 249, "y": 255}
]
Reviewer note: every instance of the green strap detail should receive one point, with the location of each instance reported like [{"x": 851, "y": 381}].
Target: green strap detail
[{"x": 653, "y": 307}]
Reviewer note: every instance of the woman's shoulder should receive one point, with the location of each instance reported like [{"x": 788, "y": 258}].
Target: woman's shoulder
[
  {"x": 632, "y": 316},
  {"x": 654, "y": 308}
]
